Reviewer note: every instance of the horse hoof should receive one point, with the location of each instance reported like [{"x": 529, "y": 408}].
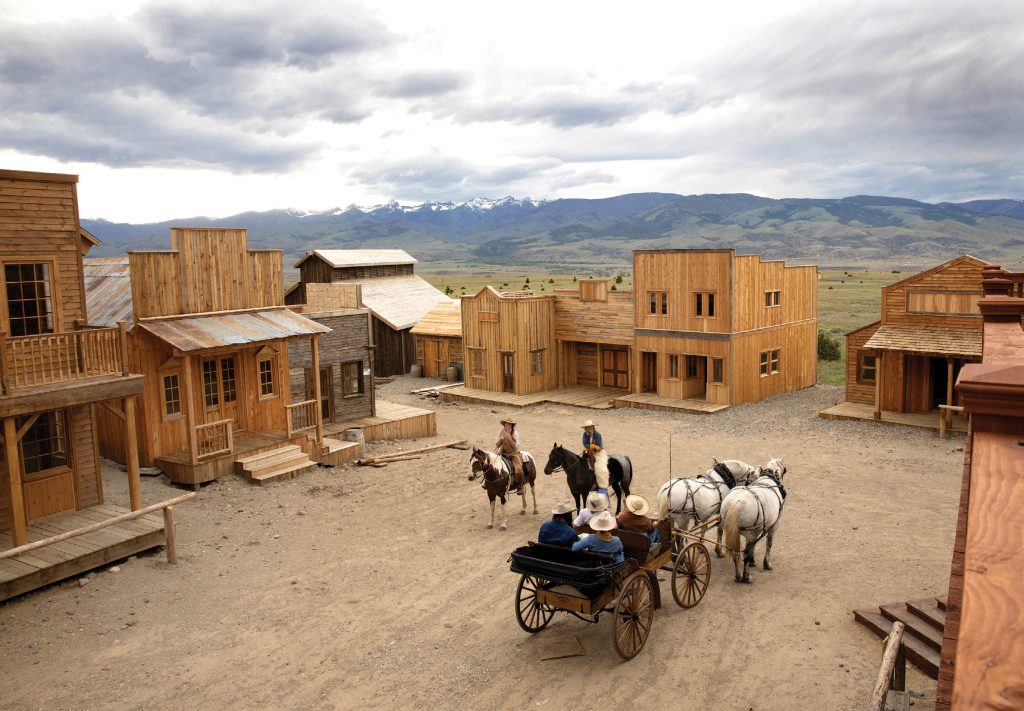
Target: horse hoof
[
  {"x": 745, "y": 579},
  {"x": 535, "y": 512},
  {"x": 523, "y": 512},
  {"x": 719, "y": 554},
  {"x": 738, "y": 579},
  {"x": 502, "y": 527},
  {"x": 766, "y": 566},
  {"x": 490, "y": 525}
]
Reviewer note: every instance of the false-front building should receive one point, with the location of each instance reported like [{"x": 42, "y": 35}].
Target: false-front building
[{"x": 439, "y": 339}]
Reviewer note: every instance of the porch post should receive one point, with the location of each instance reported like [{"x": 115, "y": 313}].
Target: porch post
[
  {"x": 878, "y": 384},
  {"x": 131, "y": 453},
  {"x": 949, "y": 383},
  {"x": 190, "y": 413},
  {"x": 314, "y": 349},
  {"x": 18, "y": 532}
]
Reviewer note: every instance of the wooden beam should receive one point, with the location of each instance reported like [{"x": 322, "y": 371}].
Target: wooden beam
[
  {"x": 27, "y": 426},
  {"x": 131, "y": 453},
  {"x": 878, "y": 385},
  {"x": 118, "y": 413},
  {"x": 18, "y": 532},
  {"x": 885, "y": 673},
  {"x": 314, "y": 348},
  {"x": 418, "y": 450},
  {"x": 122, "y": 342},
  {"x": 190, "y": 408},
  {"x": 170, "y": 538}
]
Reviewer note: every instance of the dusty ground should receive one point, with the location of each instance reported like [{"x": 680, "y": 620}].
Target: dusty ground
[{"x": 381, "y": 588}]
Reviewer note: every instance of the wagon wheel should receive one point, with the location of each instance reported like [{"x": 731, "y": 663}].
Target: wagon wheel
[
  {"x": 531, "y": 615},
  {"x": 634, "y": 613},
  {"x": 691, "y": 574}
]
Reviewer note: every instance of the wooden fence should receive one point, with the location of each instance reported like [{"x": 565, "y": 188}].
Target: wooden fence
[
  {"x": 213, "y": 438},
  {"x": 301, "y": 416},
  {"x": 27, "y": 361}
]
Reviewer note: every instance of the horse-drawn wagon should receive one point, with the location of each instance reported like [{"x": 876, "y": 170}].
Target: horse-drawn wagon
[{"x": 586, "y": 584}]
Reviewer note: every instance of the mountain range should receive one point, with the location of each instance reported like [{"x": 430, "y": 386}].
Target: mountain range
[{"x": 859, "y": 230}]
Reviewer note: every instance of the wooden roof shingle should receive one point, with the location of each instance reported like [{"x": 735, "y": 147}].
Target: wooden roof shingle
[
  {"x": 108, "y": 291},
  {"x": 928, "y": 340}
]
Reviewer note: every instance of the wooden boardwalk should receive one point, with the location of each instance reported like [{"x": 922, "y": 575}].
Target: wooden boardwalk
[
  {"x": 650, "y": 401},
  {"x": 392, "y": 421},
  {"x": 76, "y": 555},
  {"x": 860, "y": 411},
  {"x": 575, "y": 395}
]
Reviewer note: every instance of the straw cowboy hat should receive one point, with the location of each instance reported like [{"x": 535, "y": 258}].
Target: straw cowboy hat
[
  {"x": 588, "y": 423},
  {"x": 596, "y": 502},
  {"x": 563, "y": 507},
  {"x": 637, "y": 504},
  {"x": 507, "y": 420},
  {"x": 603, "y": 521}
]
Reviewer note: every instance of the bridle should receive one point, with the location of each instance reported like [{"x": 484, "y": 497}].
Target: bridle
[{"x": 486, "y": 468}]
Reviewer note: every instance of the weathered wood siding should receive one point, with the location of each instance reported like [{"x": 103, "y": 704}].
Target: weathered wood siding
[
  {"x": 369, "y": 272},
  {"x": 347, "y": 342},
  {"x": 436, "y": 353},
  {"x": 798, "y": 361},
  {"x": 681, "y": 274},
  {"x": 858, "y": 392},
  {"x": 954, "y": 284},
  {"x": 681, "y": 387},
  {"x": 607, "y": 320},
  {"x": 395, "y": 351}
]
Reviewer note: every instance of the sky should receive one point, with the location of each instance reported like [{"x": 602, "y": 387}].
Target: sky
[{"x": 184, "y": 109}]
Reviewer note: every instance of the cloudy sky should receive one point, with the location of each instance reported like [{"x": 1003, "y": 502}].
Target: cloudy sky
[{"x": 178, "y": 109}]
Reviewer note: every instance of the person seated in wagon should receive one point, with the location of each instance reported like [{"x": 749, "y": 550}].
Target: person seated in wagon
[
  {"x": 602, "y": 541},
  {"x": 595, "y": 505},
  {"x": 597, "y": 458},
  {"x": 507, "y": 444},
  {"x": 634, "y": 518},
  {"x": 558, "y": 531}
]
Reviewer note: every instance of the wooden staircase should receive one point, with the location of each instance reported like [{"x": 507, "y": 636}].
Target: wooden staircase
[
  {"x": 276, "y": 465},
  {"x": 922, "y": 639},
  {"x": 335, "y": 451}
]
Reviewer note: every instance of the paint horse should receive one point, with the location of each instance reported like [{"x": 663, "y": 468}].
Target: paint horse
[
  {"x": 497, "y": 474},
  {"x": 753, "y": 512},
  {"x": 581, "y": 478}
]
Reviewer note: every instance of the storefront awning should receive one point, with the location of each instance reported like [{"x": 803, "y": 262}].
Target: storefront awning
[
  {"x": 928, "y": 340},
  {"x": 194, "y": 333}
]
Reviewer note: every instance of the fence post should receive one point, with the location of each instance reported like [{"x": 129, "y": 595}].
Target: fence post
[{"x": 169, "y": 536}]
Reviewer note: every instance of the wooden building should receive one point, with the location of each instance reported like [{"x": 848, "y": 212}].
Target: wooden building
[
  {"x": 594, "y": 334},
  {"x": 210, "y": 332},
  {"x": 930, "y": 326},
  {"x": 439, "y": 338},
  {"x": 509, "y": 339},
  {"x": 387, "y": 286},
  {"x": 55, "y": 375},
  {"x": 725, "y": 328}
]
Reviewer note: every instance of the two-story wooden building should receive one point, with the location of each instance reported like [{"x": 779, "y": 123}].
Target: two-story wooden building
[{"x": 55, "y": 375}]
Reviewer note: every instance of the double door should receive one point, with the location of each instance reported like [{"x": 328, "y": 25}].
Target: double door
[
  {"x": 220, "y": 389},
  {"x": 615, "y": 368}
]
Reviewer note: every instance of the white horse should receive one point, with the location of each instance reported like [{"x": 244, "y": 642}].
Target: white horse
[
  {"x": 753, "y": 511},
  {"x": 696, "y": 499}
]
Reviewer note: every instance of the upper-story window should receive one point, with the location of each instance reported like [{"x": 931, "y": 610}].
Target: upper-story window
[
  {"x": 29, "y": 298},
  {"x": 704, "y": 304},
  {"x": 658, "y": 302},
  {"x": 772, "y": 298}
]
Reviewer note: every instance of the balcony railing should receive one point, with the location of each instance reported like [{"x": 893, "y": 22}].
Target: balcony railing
[
  {"x": 28, "y": 361},
  {"x": 301, "y": 417},
  {"x": 213, "y": 438},
  {"x": 1016, "y": 284}
]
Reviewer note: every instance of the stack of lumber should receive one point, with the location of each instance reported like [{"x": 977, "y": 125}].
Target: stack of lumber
[
  {"x": 924, "y": 620},
  {"x": 276, "y": 465}
]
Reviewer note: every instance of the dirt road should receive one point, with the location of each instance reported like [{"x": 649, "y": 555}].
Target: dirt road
[{"x": 381, "y": 588}]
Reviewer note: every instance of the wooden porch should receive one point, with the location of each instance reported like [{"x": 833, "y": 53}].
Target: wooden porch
[
  {"x": 860, "y": 411},
  {"x": 651, "y": 401},
  {"x": 392, "y": 421},
  {"x": 575, "y": 395},
  {"x": 64, "y": 559},
  {"x": 179, "y": 467}
]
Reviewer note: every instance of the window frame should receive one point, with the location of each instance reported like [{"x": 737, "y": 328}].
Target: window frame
[
  {"x": 270, "y": 359},
  {"x": 772, "y": 298},
  {"x": 720, "y": 364},
  {"x": 672, "y": 366},
  {"x": 54, "y": 279},
  {"x": 861, "y": 379},
  {"x": 656, "y": 298},
  {"x": 770, "y": 362},
  {"x": 347, "y": 379},
  {"x": 61, "y": 420},
  {"x": 705, "y": 304},
  {"x": 476, "y": 358},
  {"x": 180, "y": 413},
  {"x": 537, "y": 361}
]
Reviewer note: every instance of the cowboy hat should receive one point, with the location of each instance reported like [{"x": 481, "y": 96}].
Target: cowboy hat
[
  {"x": 637, "y": 504},
  {"x": 596, "y": 502},
  {"x": 588, "y": 423},
  {"x": 603, "y": 521},
  {"x": 563, "y": 507},
  {"x": 507, "y": 420}
]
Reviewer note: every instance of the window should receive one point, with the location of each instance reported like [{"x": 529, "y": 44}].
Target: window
[
  {"x": 673, "y": 366},
  {"x": 867, "y": 367},
  {"x": 29, "y": 305},
  {"x": 172, "y": 395},
  {"x": 718, "y": 370},
  {"x": 704, "y": 304},
  {"x": 772, "y": 298},
  {"x": 537, "y": 361},
  {"x": 476, "y": 363},
  {"x": 266, "y": 367},
  {"x": 43, "y": 446},
  {"x": 692, "y": 369},
  {"x": 658, "y": 301},
  {"x": 352, "y": 378},
  {"x": 770, "y": 362},
  {"x": 211, "y": 394},
  {"x": 227, "y": 370}
]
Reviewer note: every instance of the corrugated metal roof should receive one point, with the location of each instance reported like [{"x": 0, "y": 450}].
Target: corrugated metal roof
[
  {"x": 444, "y": 319},
  {"x": 193, "y": 333},
  {"x": 930, "y": 340},
  {"x": 338, "y": 258},
  {"x": 108, "y": 291}
]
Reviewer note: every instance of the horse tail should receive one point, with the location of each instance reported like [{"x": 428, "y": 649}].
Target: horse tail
[
  {"x": 731, "y": 524},
  {"x": 663, "y": 502},
  {"x": 627, "y": 474}
]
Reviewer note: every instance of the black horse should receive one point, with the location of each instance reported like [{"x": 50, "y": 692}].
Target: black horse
[{"x": 581, "y": 479}]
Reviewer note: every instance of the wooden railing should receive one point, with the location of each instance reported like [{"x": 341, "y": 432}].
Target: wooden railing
[
  {"x": 892, "y": 676},
  {"x": 301, "y": 416},
  {"x": 1016, "y": 284},
  {"x": 946, "y": 413},
  {"x": 27, "y": 361},
  {"x": 213, "y": 438}
]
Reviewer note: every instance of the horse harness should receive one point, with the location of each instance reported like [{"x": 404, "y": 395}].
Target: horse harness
[
  {"x": 780, "y": 493},
  {"x": 708, "y": 483}
]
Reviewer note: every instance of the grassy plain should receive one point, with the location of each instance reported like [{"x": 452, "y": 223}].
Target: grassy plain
[{"x": 847, "y": 298}]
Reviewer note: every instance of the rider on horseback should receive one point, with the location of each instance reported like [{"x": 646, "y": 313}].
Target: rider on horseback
[
  {"x": 507, "y": 443},
  {"x": 595, "y": 456}
]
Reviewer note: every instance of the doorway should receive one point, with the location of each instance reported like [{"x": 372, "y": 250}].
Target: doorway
[
  {"x": 327, "y": 394},
  {"x": 938, "y": 370},
  {"x": 649, "y": 372},
  {"x": 615, "y": 368},
  {"x": 508, "y": 373},
  {"x": 220, "y": 389}
]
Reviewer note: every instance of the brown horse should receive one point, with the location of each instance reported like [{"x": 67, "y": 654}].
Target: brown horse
[{"x": 497, "y": 474}]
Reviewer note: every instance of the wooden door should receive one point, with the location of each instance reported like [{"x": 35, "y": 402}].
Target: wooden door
[
  {"x": 220, "y": 389},
  {"x": 441, "y": 364},
  {"x": 327, "y": 394},
  {"x": 508, "y": 382},
  {"x": 649, "y": 372},
  {"x": 430, "y": 358},
  {"x": 615, "y": 368}
]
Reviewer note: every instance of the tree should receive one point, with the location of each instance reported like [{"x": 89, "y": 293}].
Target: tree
[
  {"x": 613, "y": 288},
  {"x": 828, "y": 347},
  {"x": 551, "y": 281},
  {"x": 527, "y": 280},
  {"x": 574, "y": 280},
  {"x": 618, "y": 279}
]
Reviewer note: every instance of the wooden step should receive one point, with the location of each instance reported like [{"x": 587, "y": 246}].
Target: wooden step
[
  {"x": 928, "y": 611},
  {"x": 941, "y": 602},
  {"x": 283, "y": 473},
  {"x": 268, "y": 453},
  {"x": 915, "y": 625},
  {"x": 268, "y": 458},
  {"x": 918, "y": 653}
]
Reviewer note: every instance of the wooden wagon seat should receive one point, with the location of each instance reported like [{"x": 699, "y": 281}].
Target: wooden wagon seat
[{"x": 941, "y": 341}]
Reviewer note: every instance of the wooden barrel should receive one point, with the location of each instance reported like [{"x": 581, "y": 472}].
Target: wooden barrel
[
  {"x": 354, "y": 434},
  {"x": 416, "y": 370},
  {"x": 452, "y": 374}
]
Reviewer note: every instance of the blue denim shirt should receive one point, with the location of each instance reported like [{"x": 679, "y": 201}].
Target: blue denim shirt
[
  {"x": 597, "y": 439},
  {"x": 592, "y": 543},
  {"x": 557, "y": 533}
]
